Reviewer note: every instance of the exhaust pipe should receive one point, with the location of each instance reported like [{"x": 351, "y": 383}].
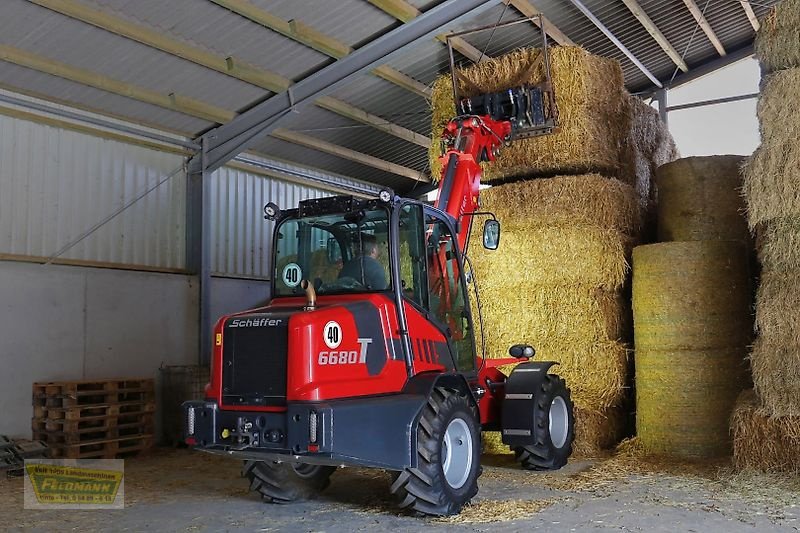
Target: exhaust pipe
[{"x": 311, "y": 295}]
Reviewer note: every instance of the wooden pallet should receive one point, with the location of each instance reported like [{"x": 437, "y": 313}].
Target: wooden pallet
[
  {"x": 113, "y": 431},
  {"x": 74, "y": 393},
  {"x": 91, "y": 422},
  {"x": 113, "y": 448},
  {"x": 79, "y": 412}
]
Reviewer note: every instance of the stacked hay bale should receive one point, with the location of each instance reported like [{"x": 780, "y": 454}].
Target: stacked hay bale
[
  {"x": 556, "y": 283},
  {"x": 557, "y": 280},
  {"x": 649, "y": 146},
  {"x": 691, "y": 308},
  {"x": 594, "y": 120},
  {"x": 766, "y": 425}
]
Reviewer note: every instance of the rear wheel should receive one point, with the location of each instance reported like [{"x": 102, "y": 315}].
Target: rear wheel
[
  {"x": 554, "y": 427},
  {"x": 448, "y": 457},
  {"x": 286, "y": 482}
]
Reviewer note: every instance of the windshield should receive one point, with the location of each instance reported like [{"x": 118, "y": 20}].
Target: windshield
[{"x": 340, "y": 253}]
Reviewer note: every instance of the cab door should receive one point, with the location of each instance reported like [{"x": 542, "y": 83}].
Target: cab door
[{"x": 433, "y": 283}]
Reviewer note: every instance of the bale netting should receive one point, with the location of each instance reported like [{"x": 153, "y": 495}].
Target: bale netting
[
  {"x": 777, "y": 46},
  {"x": 778, "y": 244},
  {"x": 684, "y": 400},
  {"x": 691, "y": 295},
  {"x": 761, "y": 442},
  {"x": 556, "y": 255},
  {"x": 699, "y": 199},
  {"x": 776, "y": 374},
  {"x": 557, "y": 311},
  {"x": 583, "y": 200},
  {"x": 592, "y": 118},
  {"x": 771, "y": 184}
]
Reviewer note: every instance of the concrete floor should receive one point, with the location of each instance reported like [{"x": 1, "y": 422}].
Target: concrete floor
[{"x": 180, "y": 490}]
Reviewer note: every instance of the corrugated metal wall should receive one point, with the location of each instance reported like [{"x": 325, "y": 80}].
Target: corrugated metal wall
[
  {"x": 240, "y": 237},
  {"x": 55, "y": 184}
]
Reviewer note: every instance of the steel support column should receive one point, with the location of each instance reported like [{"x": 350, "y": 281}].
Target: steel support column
[
  {"x": 663, "y": 111},
  {"x": 227, "y": 141},
  {"x": 198, "y": 253}
]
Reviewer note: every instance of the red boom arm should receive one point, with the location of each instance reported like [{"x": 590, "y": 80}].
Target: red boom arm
[{"x": 471, "y": 140}]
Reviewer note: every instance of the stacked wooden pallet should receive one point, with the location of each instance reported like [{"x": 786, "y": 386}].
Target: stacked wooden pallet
[{"x": 94, "y": 419}]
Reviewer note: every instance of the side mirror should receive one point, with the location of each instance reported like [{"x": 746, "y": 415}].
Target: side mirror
[{"x": 491, "y": 234}]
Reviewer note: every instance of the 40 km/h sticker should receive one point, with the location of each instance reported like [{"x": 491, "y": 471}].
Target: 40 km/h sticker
[
  {"x": 332, "y": 334},
  {"x": 292, "y": 275}
]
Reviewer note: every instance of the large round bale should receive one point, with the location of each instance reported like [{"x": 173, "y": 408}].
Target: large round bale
[
  {"x": 699, "y": 199},
  {"x": 684, "y": 399},
  {"x": 691, "y": 295},
  {"x": 582, "y": 200},
  {"x": 777, "y": 46},
  {"x": 776, "y": 374},
  {"x": 593, "y": 122},
  {"x": 761, "y": 442},
  {"x": 778, "y": 244},
  {"x": 555, "y": 255}
]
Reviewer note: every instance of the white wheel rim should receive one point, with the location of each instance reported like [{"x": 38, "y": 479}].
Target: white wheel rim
[
  {"x": 559, "y": 422},
  {"x": 457, "y": 453}
]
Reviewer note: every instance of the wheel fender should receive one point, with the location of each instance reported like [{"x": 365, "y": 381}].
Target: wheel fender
[
  {"x": 423, "y": 384},
  {"x": 517, "y": 420}
]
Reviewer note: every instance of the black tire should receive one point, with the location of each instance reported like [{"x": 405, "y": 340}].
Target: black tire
[
  {"x": 426, "y": 489},
  {"x": 286, "y": 482},
  {"x": 546, "y": 454}
]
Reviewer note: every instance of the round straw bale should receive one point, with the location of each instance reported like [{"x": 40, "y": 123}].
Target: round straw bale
[
  {"x": 584, "y": 200},
  {"x": 777, "y": 46},
  {"x": 761, "y": 442},
  {"x": 776, "y": 374},
  {"x": 684, "y": 399},
  {"x": 778, "y": 244},
  {"x": 593, "y": 119},
  {"x": 699, "y": 199},
  {"x": 691, "y": 295},
  {"x": 556, "y": 255},
  {"x": 771, "y": 185}
]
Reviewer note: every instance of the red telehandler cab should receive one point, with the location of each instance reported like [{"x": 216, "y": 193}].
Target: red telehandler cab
[{"x": 366, "y": 355}]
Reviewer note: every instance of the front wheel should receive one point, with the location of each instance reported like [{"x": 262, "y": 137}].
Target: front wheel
[
  {"x": 554, "y": 427},
  {"x": 448, "y": 457},
  {"x": 286, "y": 482}
]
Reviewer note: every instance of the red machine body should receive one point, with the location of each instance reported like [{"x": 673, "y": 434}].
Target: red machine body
[
  {"x": 315, "y": 372},
  {"x": 341, "y": 374}
]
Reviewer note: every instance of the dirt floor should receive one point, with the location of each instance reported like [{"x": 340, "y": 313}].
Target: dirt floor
[{"x": 181, "y": 490}]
